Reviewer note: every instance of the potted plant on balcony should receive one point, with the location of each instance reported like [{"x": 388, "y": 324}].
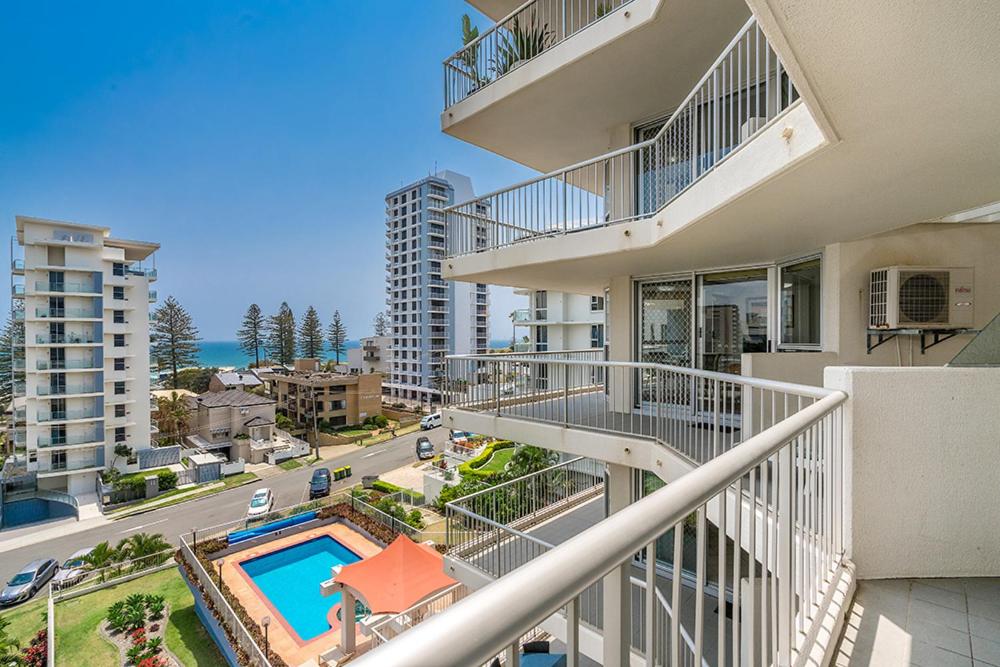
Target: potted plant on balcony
[{"x": 519, "y": 43}]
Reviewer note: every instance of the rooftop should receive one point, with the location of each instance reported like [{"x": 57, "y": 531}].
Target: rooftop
[
  {"x": 229, "y": 398},
  {"x": 245, "y": 378}
]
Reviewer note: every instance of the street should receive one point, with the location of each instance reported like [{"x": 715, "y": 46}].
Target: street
[{"x": 289, "y": 488}]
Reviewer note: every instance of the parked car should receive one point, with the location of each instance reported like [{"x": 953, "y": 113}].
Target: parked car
[
  {"x": 425, "y": 450},
  {"x": 261, "y": 502},
  {"x": 73, "y": 570},
  {"x": 460, "y": 437},
  {"x": 28, "y": 581},
  {"x": 430, "y": 421},
  {"x": 319, "y": 485}
]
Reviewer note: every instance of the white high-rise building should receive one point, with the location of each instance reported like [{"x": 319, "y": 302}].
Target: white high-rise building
[
  {"x": 557, "y": 321},
  {"x": 84, "y": 298},
  {"x": 429, "y": 317},
  {"x": 791, "y": 208}
]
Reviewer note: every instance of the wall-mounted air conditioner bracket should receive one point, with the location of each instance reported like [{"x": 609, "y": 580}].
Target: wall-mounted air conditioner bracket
[{"x": 928, "y": 337}]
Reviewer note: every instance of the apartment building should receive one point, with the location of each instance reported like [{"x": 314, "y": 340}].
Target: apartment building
[
  {"x": 430, "y": 317},
  {"x": 793, "y": 252},
  {"x": 557, "y": 321},
  {"x": 83, "y": 297},
  {"x": 310, "y": 396},
  {"x": 372, "y": 356}
]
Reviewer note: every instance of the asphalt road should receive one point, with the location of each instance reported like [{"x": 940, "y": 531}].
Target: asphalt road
[{"x": 289, "y": 488}]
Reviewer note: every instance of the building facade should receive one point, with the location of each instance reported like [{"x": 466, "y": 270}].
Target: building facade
[
  {"x": 309, "y": 396},
  {"x": 754, "y": 187},
  {"x": 429, "y": 317},
  {"x": 83, "y": 297},
  {"x": 557, "y": 321},
  {"x": 372, "y": 356}
]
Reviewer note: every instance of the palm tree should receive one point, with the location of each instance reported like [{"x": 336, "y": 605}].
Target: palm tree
[
  {"x": 101, "y": 557},
  {"x": 142, "y": 545},
  {"x": 172, "y": 416}
]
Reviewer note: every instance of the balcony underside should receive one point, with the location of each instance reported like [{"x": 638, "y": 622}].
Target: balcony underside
[{"x": 561, "y": 107}]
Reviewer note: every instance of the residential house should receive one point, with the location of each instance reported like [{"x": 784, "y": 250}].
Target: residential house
[
  {"x": 239, "y": 379},
  {"x": 310, "y": 396}
]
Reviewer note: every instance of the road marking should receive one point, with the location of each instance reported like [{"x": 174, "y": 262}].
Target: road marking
[
  {"x": 381, "y": 451},
  {"x": 145, "y": 525}
]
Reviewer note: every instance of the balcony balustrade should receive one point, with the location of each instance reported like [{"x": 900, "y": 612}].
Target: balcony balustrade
[
  {"x": 743, "y": 91},
  {"x": 68, "y": 364},
  {"x": 67, "y": 288},
  {"x": 66, "y": 415},
  {"x": 64, "y": 465},
  {"x": 60, "y": 313},
  {"x": 68, "y": 390},
  {"x": 531, "y": 29},
  {"x": 71, "y": 439},
  {"x": 767, "y": 481}
]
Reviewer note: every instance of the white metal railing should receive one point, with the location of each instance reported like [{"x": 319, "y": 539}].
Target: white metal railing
[
  {"x": 488, "y": 529},
  {"x": 742, "y": 91},
  {"x": 522, "y": 35},
  {"x": 697, "y": 414},
  {"x": 767, "y": 518},
  {"x": 387, "y": 628}
]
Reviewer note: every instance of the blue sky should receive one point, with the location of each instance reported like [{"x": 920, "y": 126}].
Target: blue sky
[{"x": 254, "y": 141}]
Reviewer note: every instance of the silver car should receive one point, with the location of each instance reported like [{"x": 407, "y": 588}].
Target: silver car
[
  {"x": 28, "y": 581},
  {"x": 73, "y": 570}
]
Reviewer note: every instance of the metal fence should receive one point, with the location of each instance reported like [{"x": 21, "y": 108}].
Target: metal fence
[
  {"x": 779, "y": 498},
  {"x": 698, "y": 414},
  {"x": 532, "y": 28},
  {"x": 93, "y": 579},
  {"x": 742, "y": 91}
]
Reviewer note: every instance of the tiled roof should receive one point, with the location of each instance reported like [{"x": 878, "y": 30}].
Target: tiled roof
[
  {"x": 234, "y": 378},
  {"x": 258, "y": 421}
]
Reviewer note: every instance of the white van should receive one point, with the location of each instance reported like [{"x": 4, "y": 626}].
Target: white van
[{"x": 430, "y": 421}]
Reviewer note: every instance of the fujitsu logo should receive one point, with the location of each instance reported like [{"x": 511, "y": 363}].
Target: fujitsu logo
[{"x": 963, "y": 290}]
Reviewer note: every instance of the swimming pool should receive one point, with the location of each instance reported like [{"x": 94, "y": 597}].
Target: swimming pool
[{"x": 290, "y": 580}]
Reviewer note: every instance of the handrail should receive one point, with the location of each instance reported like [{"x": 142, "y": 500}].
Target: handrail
[
  {"x": 561, "y": 574},
  {"x": 745, "y": 89},
  {"x": 758, "y": 383},
  {"x": 532, "y": 28}
]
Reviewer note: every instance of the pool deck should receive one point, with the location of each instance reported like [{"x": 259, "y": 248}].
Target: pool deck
[{"x": 282, "y": 638}]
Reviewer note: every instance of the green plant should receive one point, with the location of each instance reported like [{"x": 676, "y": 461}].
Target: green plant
[
  {"x": 167, "y": 479},
  {"x": 283, "y": 422},
  {"x": 520, "y": 42},
  {"x": 155, "y": 605},
  {"x": 471, "y": 467}
]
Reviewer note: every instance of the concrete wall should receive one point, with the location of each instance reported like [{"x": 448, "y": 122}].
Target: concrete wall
[
  {"x": 799, "y": 367},
  {"x": 922, "y": 449},
  {"x": 846, "y": 276}
]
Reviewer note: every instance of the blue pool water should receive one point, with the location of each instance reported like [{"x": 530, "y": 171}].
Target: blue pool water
[{"x": 290, "y": 580}]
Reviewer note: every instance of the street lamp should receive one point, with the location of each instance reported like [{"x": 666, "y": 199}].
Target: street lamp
[
  {"x": 266, "y": 621},
  {"x": 221, "y": 561}
]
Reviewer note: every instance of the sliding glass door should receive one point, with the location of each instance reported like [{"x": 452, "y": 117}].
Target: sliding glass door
[{"x": 732, "y": 318}]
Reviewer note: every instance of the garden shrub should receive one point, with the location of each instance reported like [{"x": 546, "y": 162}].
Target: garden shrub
[
  {"x": 167, "y": 480},
  {"x": 471, "y": 467},
  {"x": 389, "y": 487}
]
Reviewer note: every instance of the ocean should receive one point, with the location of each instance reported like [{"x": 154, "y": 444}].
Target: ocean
[{"x": 227, "y": 353}]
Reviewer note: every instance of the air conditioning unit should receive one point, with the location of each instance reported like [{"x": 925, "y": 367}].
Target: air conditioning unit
[{"x": 921, "y": 297}]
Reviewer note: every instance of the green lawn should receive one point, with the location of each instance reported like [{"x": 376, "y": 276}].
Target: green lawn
[
  {"x": 79, "y": 644},
  {"x": 26, "y": 619},
  {"x": 227, "y": 483},
  {"x": 499, "y": 460},
  {"x": 290, "y": 464}
]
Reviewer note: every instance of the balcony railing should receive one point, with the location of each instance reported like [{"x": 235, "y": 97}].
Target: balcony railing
[
  {"x": 72, "y": 439},
  {"x": 96, "y": 460},
  {"x": 68, "y": 288},
  {"x": 65, "y": 415},
  {"x": 532, "y": 28},
  {"x": 743, "y": 91},
  {"x": 69, "y": 338},
  {"x": 56, "y": 313},
  {"x": 17, "y": 290},
  {"x": 60, "y": 390},
  {"x": 767, "y": 518},
  {"x": 68, "y": 364}
]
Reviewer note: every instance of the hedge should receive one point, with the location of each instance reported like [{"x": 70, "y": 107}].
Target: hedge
[
  {"x": 471, "y": 467},
  {"x": 136, "y": 482},
  {"x": 389, "y": 487}
]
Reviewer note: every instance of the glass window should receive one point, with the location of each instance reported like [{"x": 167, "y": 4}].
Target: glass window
[
  {"x": 733, "y": 318},
  {"x": 541, "y": 305},
  {"x": 541, "y": 339},
  {"x": 800, "y": 303},
  {"x": 596, "y": 335},
  {"x": 596, "y": 303}
]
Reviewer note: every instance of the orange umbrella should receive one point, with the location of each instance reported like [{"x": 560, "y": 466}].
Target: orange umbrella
[{"x": 398, "y": 577}]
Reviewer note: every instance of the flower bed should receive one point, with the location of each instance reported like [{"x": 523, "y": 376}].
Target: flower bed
[{"x": 136, "y": 626}]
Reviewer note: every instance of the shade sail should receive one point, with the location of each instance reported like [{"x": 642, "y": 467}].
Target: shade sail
[{"x": 397, "y": 577}]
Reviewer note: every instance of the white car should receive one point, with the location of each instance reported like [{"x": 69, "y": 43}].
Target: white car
[
  {"x": 261, "y": 502},
  {"x": 73, "y": 570}
]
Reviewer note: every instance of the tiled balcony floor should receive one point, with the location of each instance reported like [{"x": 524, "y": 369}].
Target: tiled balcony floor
[{"x": 926, "y": 622}]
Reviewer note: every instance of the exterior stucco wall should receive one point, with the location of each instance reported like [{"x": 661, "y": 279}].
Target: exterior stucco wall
[{"x": 922, "y": 446}]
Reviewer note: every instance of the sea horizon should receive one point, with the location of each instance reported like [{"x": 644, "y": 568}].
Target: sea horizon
[{"x": 227, "y": 353}]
